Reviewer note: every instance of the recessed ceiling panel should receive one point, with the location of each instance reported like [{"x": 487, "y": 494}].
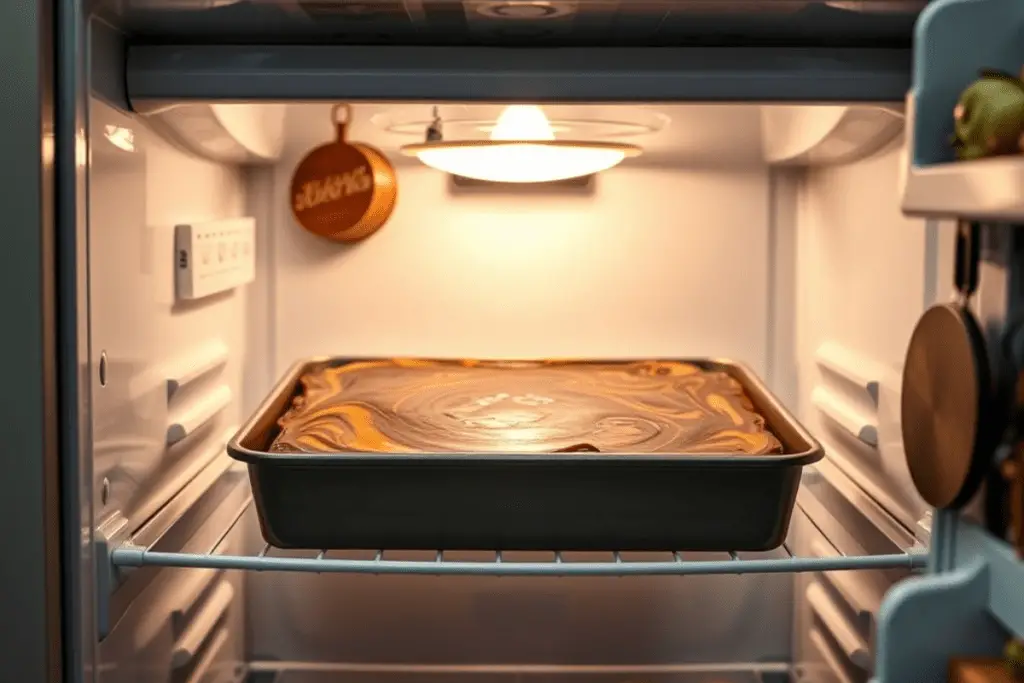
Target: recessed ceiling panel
[{"x": 792, "y": 23}]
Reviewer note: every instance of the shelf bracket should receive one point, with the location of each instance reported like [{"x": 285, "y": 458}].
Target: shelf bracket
[
  {"x": 925, "y": 621},
  {"x": 111, "y": 535}
]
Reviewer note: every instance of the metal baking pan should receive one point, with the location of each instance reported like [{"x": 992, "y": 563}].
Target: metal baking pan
[{"x": 516, "y": 501}]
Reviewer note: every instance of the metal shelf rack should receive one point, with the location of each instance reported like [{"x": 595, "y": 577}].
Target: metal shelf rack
[
  {"x": 319, "y": 563},
  {"x": 129, "y": 555},
  {"x": 127, "y": 561}
]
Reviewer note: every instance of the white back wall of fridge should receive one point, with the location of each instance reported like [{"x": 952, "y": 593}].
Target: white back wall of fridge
[
  {"x": 657, "y": 260},
  {"x": 668, "y": 256}
]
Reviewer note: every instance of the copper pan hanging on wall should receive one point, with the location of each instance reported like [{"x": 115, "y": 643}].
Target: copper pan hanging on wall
[{"x": 343, "y": 191}]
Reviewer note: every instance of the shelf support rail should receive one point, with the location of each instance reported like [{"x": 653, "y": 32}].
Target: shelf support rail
[{"x": 130, "y": 556}]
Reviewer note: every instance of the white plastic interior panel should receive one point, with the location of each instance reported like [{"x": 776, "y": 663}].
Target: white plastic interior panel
[
  {"x": 475, "y": 274},
  {"x": 144, "y": 341},
  {"x": 194, "y": 634},
  {"x": 843, "y": 414},
  {"x": 175, "y": 477},
  {"x": 836, "y": 612},
  {"x": 796, "y": 135},
  {"x": 852, "y": 369},
  {"x": 853, "y": 645},
  {"x": 184, "y": 623},
  {"x": 853, "y": 322},
  {"x": 188, "y": 419},
  {"x": 188, "y": 368},
  {"x": 240, "y": 133},
  {"x": 851, "y": 520}
]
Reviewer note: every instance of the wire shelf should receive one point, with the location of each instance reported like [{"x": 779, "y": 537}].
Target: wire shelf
[
  {"x": 614, "y": 565},
  {"x": 133, "y": 554}
]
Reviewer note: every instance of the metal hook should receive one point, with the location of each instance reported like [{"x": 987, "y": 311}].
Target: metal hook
[{"x": 434, "y": 133}]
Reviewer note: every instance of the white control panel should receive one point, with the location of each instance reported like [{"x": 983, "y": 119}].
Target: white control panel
[{"x": 214, "y": 257}]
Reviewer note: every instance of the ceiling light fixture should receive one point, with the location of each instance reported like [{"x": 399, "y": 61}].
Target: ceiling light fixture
[{"x": 522, "y": 149}]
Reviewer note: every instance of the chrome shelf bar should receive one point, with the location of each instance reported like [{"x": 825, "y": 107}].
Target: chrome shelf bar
[
  {"x": 132, "y": 554},
  {"x": 320, "y": 563}
]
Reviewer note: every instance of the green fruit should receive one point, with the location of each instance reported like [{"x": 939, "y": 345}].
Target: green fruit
[{"x": 989, "y": 117}]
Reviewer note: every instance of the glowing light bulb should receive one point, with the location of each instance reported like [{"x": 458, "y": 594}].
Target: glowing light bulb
[{"x": 522, "y": 122}]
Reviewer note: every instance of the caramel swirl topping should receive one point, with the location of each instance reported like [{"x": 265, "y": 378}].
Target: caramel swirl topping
[{"x": 423, "y": 406}]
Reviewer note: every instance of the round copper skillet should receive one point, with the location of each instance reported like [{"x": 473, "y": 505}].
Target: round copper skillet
[
  {"x": 343, "y": 191},
  {"x": 950, "y": 429}
]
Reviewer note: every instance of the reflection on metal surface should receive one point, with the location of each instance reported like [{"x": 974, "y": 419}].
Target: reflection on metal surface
[{"x": 120, "y": 137}]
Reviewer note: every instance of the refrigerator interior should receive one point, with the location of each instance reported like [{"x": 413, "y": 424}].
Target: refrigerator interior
[{"x": 807, "y": 272}]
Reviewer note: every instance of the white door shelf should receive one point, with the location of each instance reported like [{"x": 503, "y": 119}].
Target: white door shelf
[
  {"x": 954, "y": 41},
  {"x": 984, "y": 190}
]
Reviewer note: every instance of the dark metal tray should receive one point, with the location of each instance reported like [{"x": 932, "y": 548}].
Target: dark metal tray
[{"x": 516, "y": 501}]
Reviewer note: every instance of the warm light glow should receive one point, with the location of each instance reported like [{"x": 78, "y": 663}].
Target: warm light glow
[
  {"x": 522, "y": 149},
  {"x": 522, "y": 122},
  {"x": 521, "y": 162},
  {"x": 120, "y": 137}
]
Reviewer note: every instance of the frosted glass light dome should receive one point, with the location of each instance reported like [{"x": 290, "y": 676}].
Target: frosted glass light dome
[{"x": 522, "y": 149}]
